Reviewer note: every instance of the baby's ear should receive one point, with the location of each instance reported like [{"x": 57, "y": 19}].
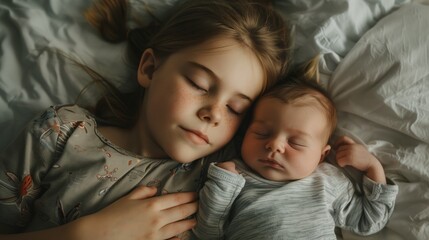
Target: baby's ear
[
  {"x": 325, "y": 152},
  {"x": 147, "y": 67}
]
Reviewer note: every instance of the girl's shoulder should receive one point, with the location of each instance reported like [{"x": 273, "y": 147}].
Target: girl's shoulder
[
  {"x": 56, "y": 124},
  {"x": 65, "y": 114},
  {"x": 56, "y": 116}
]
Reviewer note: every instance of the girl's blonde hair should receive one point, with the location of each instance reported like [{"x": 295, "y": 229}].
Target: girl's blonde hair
[
  {"x": 302, "y": 87},
  {"x": 249, "y": 22}
]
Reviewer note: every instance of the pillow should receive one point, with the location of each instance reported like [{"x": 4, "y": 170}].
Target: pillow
[{"x": 331, "y": 28}]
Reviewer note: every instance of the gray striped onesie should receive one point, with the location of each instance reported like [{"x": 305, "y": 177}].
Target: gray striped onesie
[{"x": 247, "y": 206}]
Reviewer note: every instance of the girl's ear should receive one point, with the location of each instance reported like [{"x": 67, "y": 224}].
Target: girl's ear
[
  {"x": 325, "y": 152},
  {"x": 146, "y": 68}
]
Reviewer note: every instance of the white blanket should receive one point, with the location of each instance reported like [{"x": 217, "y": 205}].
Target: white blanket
[
  {"x": 374, "y": 62},
  {"x": 381, "y": 89}
]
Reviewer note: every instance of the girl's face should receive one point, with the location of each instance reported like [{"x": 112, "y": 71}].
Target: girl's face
[
  {"x": 285, "y": 141},
  {"x": 196, "y": 98}
]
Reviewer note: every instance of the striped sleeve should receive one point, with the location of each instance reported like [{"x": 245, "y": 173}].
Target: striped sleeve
[
  {"x": 216, "y": 199},
  {"x": 366, "y": 213}
]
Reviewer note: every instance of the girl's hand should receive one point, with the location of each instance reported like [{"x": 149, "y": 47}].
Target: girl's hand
[
  {"x": 349, "y": 153},
  {"x": 139, "y": 215},
  {"x": 229, "y": 166}
]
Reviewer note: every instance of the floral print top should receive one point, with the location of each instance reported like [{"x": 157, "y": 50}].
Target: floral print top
[{"x": 67, "y": 169}]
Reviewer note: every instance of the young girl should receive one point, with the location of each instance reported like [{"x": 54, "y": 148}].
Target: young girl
[
  {"x": 198, "y": 74},
  {"x": 282, "y": 188}
]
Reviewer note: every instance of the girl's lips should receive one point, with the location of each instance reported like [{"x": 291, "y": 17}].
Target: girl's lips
[{"x": 196, "y": 136}]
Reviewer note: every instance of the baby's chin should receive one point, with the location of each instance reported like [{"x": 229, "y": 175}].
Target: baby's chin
[{"x": 274, "y": 176}]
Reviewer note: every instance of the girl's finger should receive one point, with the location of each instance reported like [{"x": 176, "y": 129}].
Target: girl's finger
[
  {"x": 180, "y": 212},
  {"x": 174, "y": 199},
  {"x": 173, "y": 229},
  {"x": 142, "y": 192}
]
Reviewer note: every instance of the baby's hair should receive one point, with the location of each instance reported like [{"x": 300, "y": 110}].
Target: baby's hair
[
  {"x": 251, "y": 23},
  {"x": 302, "y": 87}
]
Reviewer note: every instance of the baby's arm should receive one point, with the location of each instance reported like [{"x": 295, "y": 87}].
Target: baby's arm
[
  {"x": 216, "y": 198},
  {"x": 229, "y": 166},
  {"x": 368, "y": 212},
  {"x": 349, "y": 153}
]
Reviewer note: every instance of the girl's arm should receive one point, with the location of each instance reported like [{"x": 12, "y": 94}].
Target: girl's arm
[
  {"x": 356, "y": 155},
  {"x": 138, "y": 215}
]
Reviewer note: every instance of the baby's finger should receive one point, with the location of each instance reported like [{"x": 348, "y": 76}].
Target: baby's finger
[
  {"x": 343, "y": 140},
  {"x": 342, "y": 161},
  {"x": 343, "y": 150},
  {"x": 229, "y": 166},
  {"x": 340, "y": 153}
]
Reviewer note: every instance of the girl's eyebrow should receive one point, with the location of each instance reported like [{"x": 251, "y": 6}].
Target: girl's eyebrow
[{"x": 215, "y": 77}]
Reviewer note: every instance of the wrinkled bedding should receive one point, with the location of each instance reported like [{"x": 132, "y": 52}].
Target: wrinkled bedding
[
  {"x": 381, "y": 89},
  {"x": 375, "y": 58}
]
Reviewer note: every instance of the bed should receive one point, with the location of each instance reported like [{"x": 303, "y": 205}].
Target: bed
[{"x": 374, "y": 62}]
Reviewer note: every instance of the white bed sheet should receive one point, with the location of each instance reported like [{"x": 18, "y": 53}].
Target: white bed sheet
[
  {"x": 32, "y": 75},
  {"x": 381, "y": 89},
  {"x": 379, "y": 81}
]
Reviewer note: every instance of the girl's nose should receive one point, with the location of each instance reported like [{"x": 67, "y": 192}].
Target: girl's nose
[
  {"x": 275, "y": 145},
  {"x": 210, "y": 114}
]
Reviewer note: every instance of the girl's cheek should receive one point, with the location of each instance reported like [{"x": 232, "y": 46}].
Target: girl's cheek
[
  {"x": 230, "y": 126},
  {"x": 234, "y": 124},
  {"x": 183, "y": 101}
]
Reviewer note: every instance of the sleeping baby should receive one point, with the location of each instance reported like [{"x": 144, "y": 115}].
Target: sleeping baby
[{"x": 282, "y": 188}]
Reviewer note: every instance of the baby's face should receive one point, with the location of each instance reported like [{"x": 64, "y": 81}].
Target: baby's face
[{"x": 285, "y": 141}]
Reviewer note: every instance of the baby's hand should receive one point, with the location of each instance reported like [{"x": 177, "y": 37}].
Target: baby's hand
[
  {"x": 229, "y": 166},
  {"x": 350, "y": 153}
]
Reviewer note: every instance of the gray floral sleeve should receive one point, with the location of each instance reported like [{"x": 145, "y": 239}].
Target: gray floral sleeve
[{"x": 23, "y": 165}]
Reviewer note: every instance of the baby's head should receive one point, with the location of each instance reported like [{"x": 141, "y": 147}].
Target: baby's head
[{"x": 289, "y": 132}]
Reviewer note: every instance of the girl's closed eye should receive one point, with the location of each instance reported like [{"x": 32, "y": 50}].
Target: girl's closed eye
[
  {"x": 238, "y": 107},
  {"x": 197, "y": 85},
  {"x": 234, "y": 111}
]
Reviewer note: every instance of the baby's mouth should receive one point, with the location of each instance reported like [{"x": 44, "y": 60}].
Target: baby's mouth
[{"x": 272, "y": 163}]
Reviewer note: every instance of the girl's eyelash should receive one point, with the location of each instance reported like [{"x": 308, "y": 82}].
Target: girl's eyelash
[
  {"x": 231, "y": 110},
  {"x": 196, "y": 86},
  {"x": 193, "y": 84}
]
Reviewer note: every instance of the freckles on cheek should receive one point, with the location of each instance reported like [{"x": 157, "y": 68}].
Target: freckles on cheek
[
  {"x": 231, "y": 126},
  {"x": 182, "y": 102}
]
